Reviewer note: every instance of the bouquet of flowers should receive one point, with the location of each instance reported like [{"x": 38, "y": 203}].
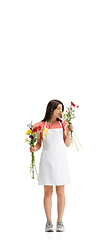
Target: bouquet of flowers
[
  {"x": 68, "y": 116},
  {"x": 33, "y": 134}
]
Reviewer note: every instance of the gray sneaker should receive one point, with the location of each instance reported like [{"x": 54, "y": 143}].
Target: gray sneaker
[
  {"x": 60, "y": 226},
  {"x": 49, "y": 227}
]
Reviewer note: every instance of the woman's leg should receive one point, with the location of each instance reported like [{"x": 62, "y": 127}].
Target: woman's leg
[
  {"x": 60, "y": 201},
  {"x": 48, "y": 190}
]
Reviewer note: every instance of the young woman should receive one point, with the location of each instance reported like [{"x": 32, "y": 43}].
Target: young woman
[{"x": 53, "y": 167}]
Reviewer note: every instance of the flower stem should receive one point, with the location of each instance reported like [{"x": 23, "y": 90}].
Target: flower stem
[
  {"x": 75, "y": 144},
  {"x": 77, "y": 139},
  {"x": 33, "y": 165},
  {"x": 71, "y": 133}
]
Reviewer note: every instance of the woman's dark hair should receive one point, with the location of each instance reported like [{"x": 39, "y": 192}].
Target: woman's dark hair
[{"x": 52, "y": 105}]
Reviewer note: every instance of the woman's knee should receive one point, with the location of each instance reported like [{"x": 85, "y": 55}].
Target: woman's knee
[
  {"x": 48, "y": 190},
  {"x": 60, "y": 190}
]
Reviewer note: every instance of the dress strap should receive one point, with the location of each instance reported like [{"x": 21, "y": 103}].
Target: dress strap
[
  {"x": 60, "y": 124},
  {"x": 45, "y": 124}
]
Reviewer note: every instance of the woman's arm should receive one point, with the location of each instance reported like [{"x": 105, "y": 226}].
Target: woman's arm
[
  {"x": 37, "y": 146},
  {"x": 67, "y": 134}
]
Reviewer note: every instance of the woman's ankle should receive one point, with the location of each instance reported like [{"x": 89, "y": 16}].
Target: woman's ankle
[
  {"x": 59, "y": 220},
  {"x": 49, "y": 220}
]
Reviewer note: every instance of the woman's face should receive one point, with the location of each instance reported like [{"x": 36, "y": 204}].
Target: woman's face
[{"x": 57, "y": 112}]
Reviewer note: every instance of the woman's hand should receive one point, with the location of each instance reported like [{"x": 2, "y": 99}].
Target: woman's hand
[
  {"x": 67, "y": 138},
  {"x": 33, "y": 149},
  {"x": 68, "y": 128}
]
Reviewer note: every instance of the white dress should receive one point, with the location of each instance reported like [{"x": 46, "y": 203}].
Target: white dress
[{"x": 53, "y": 166}]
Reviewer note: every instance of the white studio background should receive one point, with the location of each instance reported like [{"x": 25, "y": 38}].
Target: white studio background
[{"x": 54, "y": 50}]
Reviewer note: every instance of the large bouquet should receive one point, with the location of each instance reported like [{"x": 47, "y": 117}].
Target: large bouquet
[
  {"x": 33, "y": 134},
  {"x": 68, "y": 116}
]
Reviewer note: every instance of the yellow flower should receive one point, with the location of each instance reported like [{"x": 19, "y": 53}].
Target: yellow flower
[
  {"x": 28, "y": 132},
  {"x": 26, "y": 140}
]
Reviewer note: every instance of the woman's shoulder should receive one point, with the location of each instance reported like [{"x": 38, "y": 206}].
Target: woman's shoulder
[{"x": 40, "y": 124}]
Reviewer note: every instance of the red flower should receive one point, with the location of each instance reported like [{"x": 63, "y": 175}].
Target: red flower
[
  {"x": 39, "y": 128},
  {"x": 73, "y": 104},
  {"x": 77, "y": 106},
  {"x": 35, "y": 129}
]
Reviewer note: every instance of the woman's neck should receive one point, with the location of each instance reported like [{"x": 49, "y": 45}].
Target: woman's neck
[{"x": 52, "y": 120}]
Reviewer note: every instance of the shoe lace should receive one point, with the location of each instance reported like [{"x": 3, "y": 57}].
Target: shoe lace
[
  {"x": 60, "y": 224},
  {"x": 49, "y": 224}
]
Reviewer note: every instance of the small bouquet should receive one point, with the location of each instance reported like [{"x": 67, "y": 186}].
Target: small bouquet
[
  {"x": 68, "y": 116},
  {"x": 33, "y": 133}
]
